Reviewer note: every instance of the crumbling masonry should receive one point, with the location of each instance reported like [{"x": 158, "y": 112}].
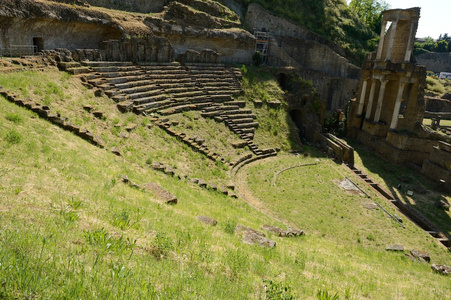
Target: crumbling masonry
[{"x": 389, "y": 111}]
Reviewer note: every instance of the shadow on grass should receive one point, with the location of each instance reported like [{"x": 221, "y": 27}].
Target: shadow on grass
[{"x": 399, "y": 179}]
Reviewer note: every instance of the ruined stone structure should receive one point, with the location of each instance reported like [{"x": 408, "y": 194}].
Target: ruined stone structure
[
  {"x": 324, "y": 64},
  {"x": 142, "y": 6},
  {"x": 390, "y": 105},
  {"x": 138, "y": 49},
  {"x": 388, "y": 113},
  {"x": 438, "y": 166}
]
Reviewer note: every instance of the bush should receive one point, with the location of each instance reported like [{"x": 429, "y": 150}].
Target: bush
[
  {"x": 13, "y": 137},
  {"x": 257, "y": 58}
]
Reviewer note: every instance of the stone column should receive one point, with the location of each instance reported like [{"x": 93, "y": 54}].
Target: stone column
[
  {"x": 370, "y": 100},
  {"x": 392, "y": 39},
  {"x": 362, "y": 97},
  {"x": 395, "y": 117},
  {"x": 380, "y": 100},
  {"x": 381, "y": 41},
  {"x": 413, "y": 30}
]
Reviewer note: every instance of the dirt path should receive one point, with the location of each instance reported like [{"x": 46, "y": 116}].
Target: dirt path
[{"x": 245, "y": 193}]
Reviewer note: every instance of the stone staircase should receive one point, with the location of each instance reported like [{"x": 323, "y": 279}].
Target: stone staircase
[{"x": 169, "y": 88}]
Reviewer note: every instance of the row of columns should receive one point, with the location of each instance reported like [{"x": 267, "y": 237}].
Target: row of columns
[
  {"x": 380, "y": 100},
  {"x": 394, "y": 26}
]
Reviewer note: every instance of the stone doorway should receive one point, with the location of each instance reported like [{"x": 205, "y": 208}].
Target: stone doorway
[{"x": 38, "y": 43}]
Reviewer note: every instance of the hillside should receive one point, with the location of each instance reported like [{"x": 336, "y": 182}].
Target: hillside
[
  {"x": 73, "y": 228},
  {"x": 332, "y": 20}
]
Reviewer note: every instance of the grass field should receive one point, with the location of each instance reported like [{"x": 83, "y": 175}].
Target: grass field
[{"x": 71, "y": 229}]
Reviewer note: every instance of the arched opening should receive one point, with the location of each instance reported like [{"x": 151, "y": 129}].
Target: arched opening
[{"x": 282, "y": 79}]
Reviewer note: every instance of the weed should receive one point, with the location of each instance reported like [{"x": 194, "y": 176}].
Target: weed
[
  {"x": 13, "y": 137},
  {"x": 107, "y": 244},
  {"x": 324, "y": 295},
  {"x": 162, "y": 245},
  {"x": 278, "y": 290},
  {"x": 75, "y": 203},
  {"x": 127, "y": 219},
  {"x": 229, "y": 226},
  {"x": 13, "y": 118}
]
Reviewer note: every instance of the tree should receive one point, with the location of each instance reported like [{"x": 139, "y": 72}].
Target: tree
[
  {"x": 370, "y": 12},
  {"x": 442, "y": 46}
]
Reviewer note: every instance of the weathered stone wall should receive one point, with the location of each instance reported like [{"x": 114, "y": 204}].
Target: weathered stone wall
[
  {"x": 54, "y": 33},
  {"x": 235, "y": 45},
  {"x": 142, "y": 6},
  {"x": 438, "y": 105},
  {"x": 185, "y": 15},
  {"x": 438, "y": 166},
  {"x": 258, "y": 17},
  {"x": 435, "y": 62},
  {"x": 138, "y": 49},
  {"x": 205, "y": 56},
  {"x": 291, "y": 45},
  {"x": 59, "y": 26}
]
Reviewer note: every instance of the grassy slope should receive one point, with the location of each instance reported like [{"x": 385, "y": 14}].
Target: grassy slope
[{"x": 70, "y": 229}]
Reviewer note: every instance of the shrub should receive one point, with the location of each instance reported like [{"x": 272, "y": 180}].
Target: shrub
[
  {"x": 13, "y": 137},
  {"x": 257, "y": 58},
  {"x": 13, "y": 118}
]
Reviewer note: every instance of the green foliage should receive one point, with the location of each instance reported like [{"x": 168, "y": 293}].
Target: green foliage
[
  {"x": 278, "y": 291},
  {"x": 370, "y": 12},
  {"x": 257, "y": 58},
  {"x": 126, "y": 219},
  {"x": 324, "y": 295},
  {"x": 107, "y": 244},
  {"x": 13, "y": 137},
  {"x": 15, "y": 118},
  {"x": 162, "y": 245}
]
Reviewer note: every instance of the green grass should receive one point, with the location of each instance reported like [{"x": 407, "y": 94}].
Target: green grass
[{"x": 71, "y": 229}]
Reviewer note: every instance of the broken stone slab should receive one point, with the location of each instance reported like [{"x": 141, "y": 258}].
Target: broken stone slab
[
  {"x": 124, "y": 135},
  {"x": 98, "y": 114},
  {"x": 395, "y": 248},
  {"x": 421, "y": 255},
  {"x": 125, "y": 179},
  {"x": 116, "y": 151},
  {"x": 130, "y": 127},
  {"x": 240, "y": 229},
  {"x": 230, "y": 186},
  {"x": 370, "y": 206},
  {"x": 441, "y": 269},
  {"x": 207, "y": 220},
  {"x": 281, "y": 232},
  {"x": 294, "y": 232},
  {"x": 251, "y": 239},
  {"x": 88, "y": 108},
  {"x": 99, "y": 141},
  {"x": 202, "y": 183},
  {"x": 233, "y": 195},
  {"x": 160, "y": 193},
  {"x": 274, "y": 229}
]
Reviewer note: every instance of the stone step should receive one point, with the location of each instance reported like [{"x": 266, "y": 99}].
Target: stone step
[
  {"x": 146, "y": 94},
  {"x": 78, "y": 70},
  {"x": 106, "y": 63},
  {"x": 242, "y": 116},
  {"x": 152, "y": 106},
  {"x": 188, "y": 94},
  {"x": 115, "y": 69},
  {"x": 151, "y": 99},
  {"x": 177, "y": 109},
  {"x": 125, "y": 79},
  {"x": 141, "y": 89},
  {"x": 121, "y": 74},
  {"x": 241, "y": 121},
  {"x": 239, "y": 112}
]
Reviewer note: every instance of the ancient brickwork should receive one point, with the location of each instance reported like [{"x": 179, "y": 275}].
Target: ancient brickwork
[
  {"x": 138, "y": 49},
  {"x": 438, "y": 166},
  {"x": 389, "y": 110}
]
